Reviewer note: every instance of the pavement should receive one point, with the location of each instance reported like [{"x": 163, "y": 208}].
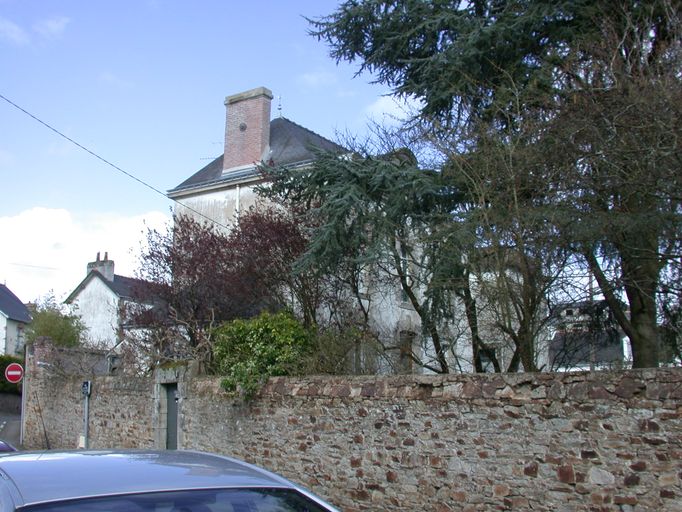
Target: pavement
[{"x": 10, "y": 428}]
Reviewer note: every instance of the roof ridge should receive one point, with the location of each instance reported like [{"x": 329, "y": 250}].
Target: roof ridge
[{"x": 128, "y": 277}]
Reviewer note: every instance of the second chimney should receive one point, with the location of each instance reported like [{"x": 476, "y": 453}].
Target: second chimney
[
  {"x": 247, "y": 127},
  {"x": 104, "y": 267}
]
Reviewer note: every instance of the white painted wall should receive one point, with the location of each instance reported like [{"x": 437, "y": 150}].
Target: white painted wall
[
  {"x": 219, "y": 205},
  {"x": 12, "y": 336},
  {"x": 3, "y": 333},
  {"x": 98, "y": 306}
]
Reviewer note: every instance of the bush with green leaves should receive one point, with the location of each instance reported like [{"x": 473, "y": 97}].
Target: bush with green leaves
[
  {"x": 248, "y": 352},
  {"x": 52, "y": 320}
]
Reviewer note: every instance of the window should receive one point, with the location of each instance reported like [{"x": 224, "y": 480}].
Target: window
[
  {"x": 214, "y": 500},
  {"x": 487, "y": 362}
]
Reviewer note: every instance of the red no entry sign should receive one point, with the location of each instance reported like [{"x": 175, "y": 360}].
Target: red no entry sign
[{"x": 14, "y": 373}]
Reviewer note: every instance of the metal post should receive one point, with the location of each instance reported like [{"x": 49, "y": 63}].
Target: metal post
[
  {"x": 85, "y": 420},
  {"x": 24, "y": 394},
  {"x": 85, "y": 389}
]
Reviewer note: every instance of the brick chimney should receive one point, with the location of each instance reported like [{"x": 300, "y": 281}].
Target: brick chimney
[
  {"x": 247, "y": 127},
  {"x": 104, "y": 267}
]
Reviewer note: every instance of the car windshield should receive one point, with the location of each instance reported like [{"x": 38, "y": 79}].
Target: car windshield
[{"x": 220, "y": 500}]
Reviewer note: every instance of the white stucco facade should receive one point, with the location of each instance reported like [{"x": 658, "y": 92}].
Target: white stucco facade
[
  {"x": 98, "y": 307},
  {"x": 14, "y": 318},
  {"x": 11, "y": 336},
  {"x": 100, "y": 301},
  {"x": 222, "y": 205}
]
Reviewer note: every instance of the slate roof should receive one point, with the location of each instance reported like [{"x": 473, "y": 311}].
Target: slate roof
[
  {"x": 125, "y": 286},
  {"x": 12, "y": 307},
  {"x": 290, "y": 145},
  {"x": 122, "y": 286}
]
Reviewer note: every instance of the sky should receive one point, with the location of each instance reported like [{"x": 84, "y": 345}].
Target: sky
[{"x": 141, "y": 84}]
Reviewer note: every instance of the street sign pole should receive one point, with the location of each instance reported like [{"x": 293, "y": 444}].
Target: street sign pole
[
  {"x": 85, "y": 389},
  {"x": 24, "y": 393}
]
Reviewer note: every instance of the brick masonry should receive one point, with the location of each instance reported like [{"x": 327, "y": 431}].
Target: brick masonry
[
  {"x": 247, "y": 127},
  {"x": 584, "y": 441}
]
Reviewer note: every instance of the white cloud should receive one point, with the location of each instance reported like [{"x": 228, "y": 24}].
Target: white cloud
[
  {"x": 317, "y": 79},
  {"x": 389, "y": 109},
  {"x": 51, "y": 28},
  {"x": 48, "y": 249},
  {"x": 344, "y": 92},
  {"x": 13, "y": 33}
]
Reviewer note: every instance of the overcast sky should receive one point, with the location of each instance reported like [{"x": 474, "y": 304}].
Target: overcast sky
[{"x": 140, "y": 83}]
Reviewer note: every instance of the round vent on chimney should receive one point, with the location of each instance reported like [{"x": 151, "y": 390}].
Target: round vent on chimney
[{"x": 242, "y": 127}]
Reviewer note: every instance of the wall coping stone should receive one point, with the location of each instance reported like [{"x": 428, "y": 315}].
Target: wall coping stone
[{"x": 657, "y": 385}]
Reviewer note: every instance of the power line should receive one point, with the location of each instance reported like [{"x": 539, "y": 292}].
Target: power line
[
  {"x": 107, "y": 162},
  {"x": 110, "y": 164},
  {"x": 39, "y": 267}
]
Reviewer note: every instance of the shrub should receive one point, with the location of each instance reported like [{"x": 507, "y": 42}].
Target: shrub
[
  {"x": 248, "y": 352},
  {"x": 50, "y": 320}
]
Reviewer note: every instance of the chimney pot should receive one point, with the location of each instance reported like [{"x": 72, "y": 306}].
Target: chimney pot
[{"x": 104, "y": 267}]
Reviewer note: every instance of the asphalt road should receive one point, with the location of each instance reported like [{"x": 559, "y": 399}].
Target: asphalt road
[{"x": 10, "y": 428}]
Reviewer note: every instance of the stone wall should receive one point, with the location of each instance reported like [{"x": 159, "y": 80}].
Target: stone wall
[
  {"x": 490, "y": 442},
  {"x": 599, "y": 441},
  {"x": 121, "y": 408}
]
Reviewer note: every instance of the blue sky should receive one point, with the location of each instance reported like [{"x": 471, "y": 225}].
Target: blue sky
[{"x": 142, "y": 84}]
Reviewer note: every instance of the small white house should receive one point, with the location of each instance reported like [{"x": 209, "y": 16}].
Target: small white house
[
  {"x": 14, "y": 317},
  {"x": 100, "y": 301}
]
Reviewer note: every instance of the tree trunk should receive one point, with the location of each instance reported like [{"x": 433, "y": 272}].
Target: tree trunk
[
  {"x": 641, "y": 276},
  {"x": 477, "y": 344},
  {"x": 514, "y": 362},
  {"x": 526, "y": 348},
  {"x": 427, "y": 323}
]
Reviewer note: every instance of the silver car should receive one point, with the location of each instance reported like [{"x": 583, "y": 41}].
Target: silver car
[{"x": 145, "y": 481}]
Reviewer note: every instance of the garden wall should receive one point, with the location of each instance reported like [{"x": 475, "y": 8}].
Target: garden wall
[
  {"x": 120, "y": 408},
  {"x": 586, "y": 441}
]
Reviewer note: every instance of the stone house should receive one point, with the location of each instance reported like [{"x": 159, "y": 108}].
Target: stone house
[
  {"x": 14, "y": 317},
  {"x": 101, "y": 301}
]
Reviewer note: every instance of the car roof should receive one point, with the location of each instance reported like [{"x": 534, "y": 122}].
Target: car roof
[{"x": 60, "y": 475}]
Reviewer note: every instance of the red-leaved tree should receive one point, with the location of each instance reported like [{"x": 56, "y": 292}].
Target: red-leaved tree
[{"x": 197, "y": 276}]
